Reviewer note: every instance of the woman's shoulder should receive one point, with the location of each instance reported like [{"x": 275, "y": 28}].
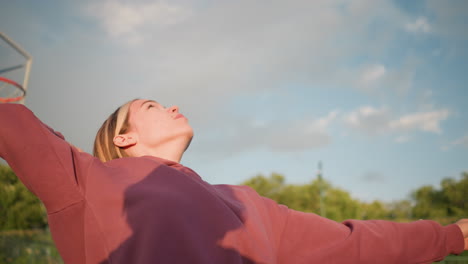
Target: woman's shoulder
[
  {"x": 5, "y": 108},
  {"x": 239, "y": 191}
]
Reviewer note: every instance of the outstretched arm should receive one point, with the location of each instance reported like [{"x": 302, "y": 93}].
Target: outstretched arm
[
  {"x": 40, "y": 157},
  {"x": 309, "y": 237}
]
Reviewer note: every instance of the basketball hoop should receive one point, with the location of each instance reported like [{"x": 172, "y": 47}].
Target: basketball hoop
[
  {"x": 12, "y": 69},
  {"x": 10, "y": 91}
]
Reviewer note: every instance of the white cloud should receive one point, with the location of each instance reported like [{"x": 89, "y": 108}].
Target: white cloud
[
  {"x": 424, "y": 121},
  {"x": 299, "y": 135},
  {"x": 463, "y": 141},
  {"x": 449, "y": 19},
  {"x": 131, "y": 19},
  {"x": 368, "y": 119},
  {"x": 302, "y": 134},
  {"x": 243, "y": 45},
  {"x": 376, "y": 121},
  {"x": 402, "y": 139},
  {"x": 323, "y": 123},
  {"x": 378, "y": 78},
  {"x": 445, "y": 148},
  {"x": 189, "y": 54},
  {"x": 460, "y": 142},
  {"x": 241, "y": 134},
  {"x": 372, "y": 74},
  {"x": 420, "y": 25},
  {"x": 427, "y": 94}
]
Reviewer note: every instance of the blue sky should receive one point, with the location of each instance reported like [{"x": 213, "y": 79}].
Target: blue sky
[{"x": 376, "y": 90}]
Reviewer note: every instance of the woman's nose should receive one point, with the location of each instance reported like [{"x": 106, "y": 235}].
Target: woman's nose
[{"x": 173, "y": 109}]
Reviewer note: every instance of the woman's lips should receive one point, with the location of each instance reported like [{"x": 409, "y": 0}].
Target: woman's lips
[{"x": 179, "y": 116}]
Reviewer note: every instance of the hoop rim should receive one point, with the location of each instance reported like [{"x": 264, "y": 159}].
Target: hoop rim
[{"x": 12, "y": 99}]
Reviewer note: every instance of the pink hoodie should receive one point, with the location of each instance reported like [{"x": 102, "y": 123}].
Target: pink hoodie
[{"x": 150, "y": 210}]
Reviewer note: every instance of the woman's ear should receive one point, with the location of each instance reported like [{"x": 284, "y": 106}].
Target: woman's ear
[{"x": 125, "y": 140}]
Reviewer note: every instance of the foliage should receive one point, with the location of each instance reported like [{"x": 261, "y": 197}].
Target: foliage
[
  {"x": 400, "y": 210},
  {"x": 338, "y": 204},
  {"x": 445, "y": 205},
  {"x": 28, "y": 246},
  {"x": 270, "y": 187},
  {"x": 20, "y": 209}
]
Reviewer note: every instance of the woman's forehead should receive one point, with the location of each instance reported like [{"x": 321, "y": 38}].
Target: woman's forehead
[{"x": 137, "y": 104}]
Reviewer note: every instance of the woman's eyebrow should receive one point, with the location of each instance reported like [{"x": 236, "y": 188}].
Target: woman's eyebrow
[{"x": 147, "y": 101}]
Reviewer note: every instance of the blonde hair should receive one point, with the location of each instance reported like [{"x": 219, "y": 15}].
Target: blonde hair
[{"x": 116, "y": 124}]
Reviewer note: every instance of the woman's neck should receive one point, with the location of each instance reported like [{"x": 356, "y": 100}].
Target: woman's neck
[{"x": 172, "y": 151}]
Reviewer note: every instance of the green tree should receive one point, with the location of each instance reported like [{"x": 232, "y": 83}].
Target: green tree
[
  {"x": 300, "y": 197},
  {"x": 19, "y": 208},
  {"x": 425, "y": 206},
  {"x": 401, "y": 210},
  {"x": 339, "y": 205},
  {"x": 270, "y": 187},
  {"x": 374, "y": 210},
  {"x": 445, "y": 204},
  {"x": 455, "y": 196}
]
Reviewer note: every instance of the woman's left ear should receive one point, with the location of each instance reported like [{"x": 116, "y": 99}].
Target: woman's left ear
[{"x": 125, "y": 140}]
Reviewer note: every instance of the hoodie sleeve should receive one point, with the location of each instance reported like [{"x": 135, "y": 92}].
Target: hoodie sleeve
[
  {"x": 308, "y": 238},
  {"x": 40, "y": 157}
]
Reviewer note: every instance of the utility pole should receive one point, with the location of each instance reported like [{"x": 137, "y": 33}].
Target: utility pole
[{"x": 321, "y": 191}]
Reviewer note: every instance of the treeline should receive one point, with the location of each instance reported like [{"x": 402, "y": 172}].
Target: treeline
[
  {"x": 445, "y": 204},
  {"x": 20, "y": 209}
]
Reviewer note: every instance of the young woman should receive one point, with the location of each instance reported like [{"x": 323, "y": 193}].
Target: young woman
[{"x": 135, "y": 203}]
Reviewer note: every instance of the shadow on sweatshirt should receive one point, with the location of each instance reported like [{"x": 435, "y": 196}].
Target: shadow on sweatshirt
[{"x": 178, "y": 218}]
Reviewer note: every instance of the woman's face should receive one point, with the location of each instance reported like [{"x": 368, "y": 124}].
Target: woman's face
[{"x": 155, "y": 124}]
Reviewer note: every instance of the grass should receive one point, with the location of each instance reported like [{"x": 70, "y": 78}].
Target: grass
[
  {"x": 37, "y": 247},
  {"x": 28, "y": 247}
]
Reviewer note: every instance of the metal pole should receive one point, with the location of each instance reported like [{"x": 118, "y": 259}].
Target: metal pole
[
  {"x": 15, "y": 45},
  {"x": 20, "y": 50},
  {"x": 27, "y": 70},
  {"x": 12, "y": 68},
  {"x": 321, "y": 191}
]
